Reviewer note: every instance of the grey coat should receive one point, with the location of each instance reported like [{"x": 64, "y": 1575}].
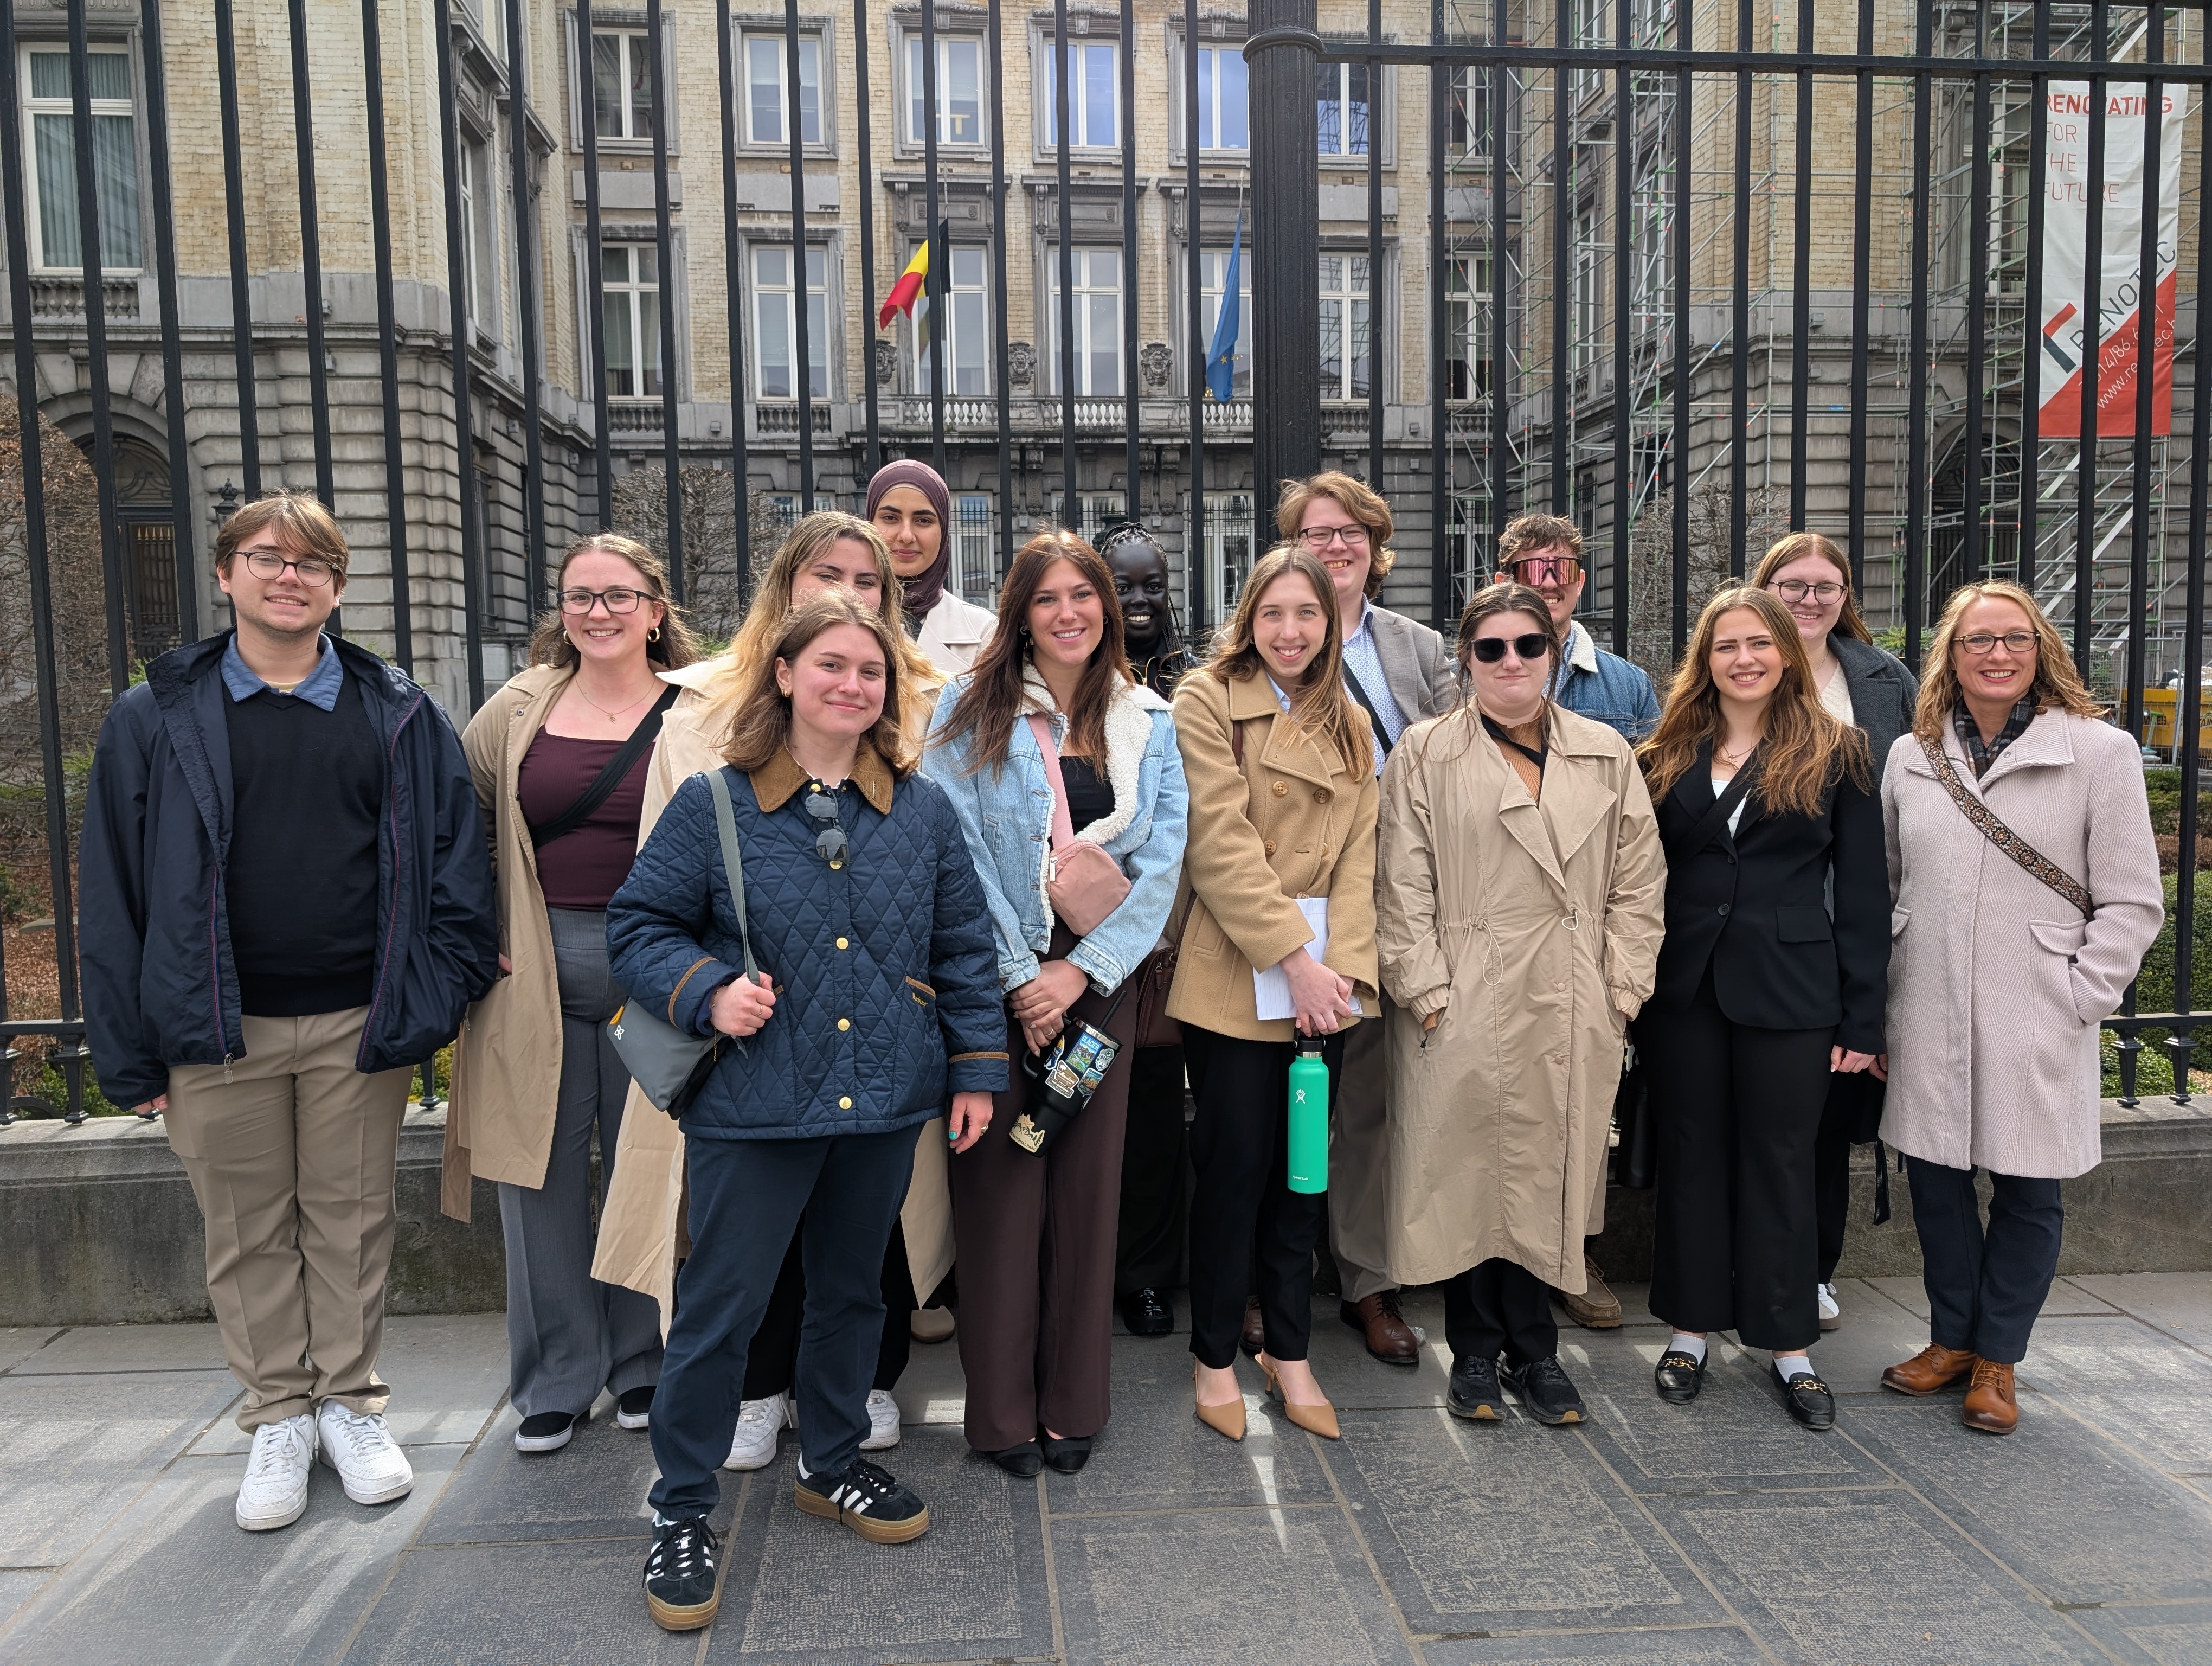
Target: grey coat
[
  {"x": 1417, "y": 664},
  {"x": 1882, "y": 693}
]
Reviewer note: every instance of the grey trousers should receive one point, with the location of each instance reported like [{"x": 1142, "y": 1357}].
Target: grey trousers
[
  {"x": 1359, "y": 1161},
  {"x": 568, "y": 1335}
]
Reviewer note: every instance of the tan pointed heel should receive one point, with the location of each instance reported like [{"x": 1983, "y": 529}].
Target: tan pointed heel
[
  {"x": 1224, "y": 1419},
  {"x": 1314, "y": 1420}
]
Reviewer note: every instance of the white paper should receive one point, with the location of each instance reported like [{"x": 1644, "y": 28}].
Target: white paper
[{"x": 1271, "y": 987}]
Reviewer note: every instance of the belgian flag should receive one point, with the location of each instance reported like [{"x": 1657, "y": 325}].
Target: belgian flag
[{"x": 907, "y": 288}]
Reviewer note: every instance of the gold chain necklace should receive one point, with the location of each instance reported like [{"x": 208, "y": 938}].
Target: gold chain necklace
[{"x": 614, "y": 716}]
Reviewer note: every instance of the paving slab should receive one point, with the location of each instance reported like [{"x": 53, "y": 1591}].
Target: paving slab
[
  {"x": 2164, "y": 1634},
  {"x": 2141, "y": 1388},
  {"x": 17, "y": 1587},
  {"x": 1720, "y": 1646},
  {"x": 594, "y": 1487},
  {"x": 2177, "y": 1302},
  {"x": 1874, "y": 1334},
  {"x": 128, "y": 1348},
  {"x": 19, "y": 1342},
  {"x": 2070, "y": 1298}
]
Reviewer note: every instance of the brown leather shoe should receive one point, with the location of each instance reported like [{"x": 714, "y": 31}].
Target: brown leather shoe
[
  {"x": 1990, "y": 1406},
  {"x": 1390, "y": 1338},
  {"x": 1597, "y": 1308},
  {"x": 1256, "y": 1334},
  {"x": 1931, "y": 1370}
]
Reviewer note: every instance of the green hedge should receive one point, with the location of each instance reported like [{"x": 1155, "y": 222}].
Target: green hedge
[{"x": 2154, "y": 987}]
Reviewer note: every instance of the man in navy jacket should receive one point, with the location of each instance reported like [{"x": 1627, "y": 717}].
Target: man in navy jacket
[{"x": 288, "y": 905}]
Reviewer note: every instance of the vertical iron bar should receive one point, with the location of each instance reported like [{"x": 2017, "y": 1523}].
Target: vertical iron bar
[
  {"x": 1283, "y": 250},
  {"x": 1563, "y": 232},
  {"x": 2146, "y": 362},
  {"x": 734, "y": 293},
  {"x": 457, "y": 232},
  {"x": 241, "y": 291},
  {"x": 1502, "y": 92},
  {"x": 802, "y": 332},
  {"x": 2093, "y": 352},
  {"x": 1624, "y": 488},
  {"x": 1001, "y": 383},
  {"x": 1801, "y": 324},
  {"x": 1978, "y": 298},
  {"x": 1376, "y": 287},
  {"x": 2031, "y": 404},
  {"x": 2189, "y": 709},
  {"x": 95, "y": 322},
  {"x": 664, "y": 244},
  {"x": 1062, "y": 124},
  {"x": 1916, "y": 501},
  {"x": 1128, "y": 133},
  {"x": 935, "y": 281},
  {"x": 1679, "y": 624},
  {"x": 595, "y": 263},
  {"x": 874, "y": 457},
  {"x": 529, "y": 278},
  {"x": 1862, "y": 282},
  {"x": 1193, "y": 539},
  {"x": 1441, "y": 595},
  {"x": 173, "y": 365},
  {"x": 1740, "y": 325},
  {"x": 387, "y": 336},
  {"x": 311, "y": 256}
]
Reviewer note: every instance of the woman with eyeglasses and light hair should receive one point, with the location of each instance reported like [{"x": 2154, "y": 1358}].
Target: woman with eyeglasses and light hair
[
  {"x": 1517, "y": 923},
  {"x": 1766, "y": 806},
  {"x": 2026, "y": 890},
  {"x": 561, "y": 755},
  {"x": 1870, "y": 688}
]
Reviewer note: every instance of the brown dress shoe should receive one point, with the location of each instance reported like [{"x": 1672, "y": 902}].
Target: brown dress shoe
[
  {"x": 1597, "y": 1308},
  {"x": 1931, "y": 1370},
  {"x": 1390, "y": 1338},
  {"x": 1256, "y": 1334},
  {"x": 1990, "y": 1406}
]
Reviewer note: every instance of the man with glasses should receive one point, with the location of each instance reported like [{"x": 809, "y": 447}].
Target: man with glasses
[
  {"x": 1544, "y": 552},
  {"x": 287, "y": 906}
]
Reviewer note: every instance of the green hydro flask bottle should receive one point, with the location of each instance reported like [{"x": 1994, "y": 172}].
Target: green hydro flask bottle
[{"x": 1309, "y": 1151}]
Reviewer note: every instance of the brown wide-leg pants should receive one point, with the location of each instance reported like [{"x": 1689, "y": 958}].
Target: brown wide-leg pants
[
  {"x": 293, "y": 1161},
  {"x": 1036, "y": 1238}
]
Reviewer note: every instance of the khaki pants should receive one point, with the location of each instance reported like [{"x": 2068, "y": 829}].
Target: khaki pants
[{"x": 293, "y": 1160}]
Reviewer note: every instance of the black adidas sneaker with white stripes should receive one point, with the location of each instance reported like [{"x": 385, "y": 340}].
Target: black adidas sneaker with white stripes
[
  {"x": 866, "y": 1499},
  {"x": 680, "y": 1587}
]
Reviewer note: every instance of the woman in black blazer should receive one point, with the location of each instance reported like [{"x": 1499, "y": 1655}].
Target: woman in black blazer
[{"x": 1762, "y": 797}]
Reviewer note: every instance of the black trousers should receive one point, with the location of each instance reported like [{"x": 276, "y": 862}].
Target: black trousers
[
  {"x": 1148, "y": 1251},
  {"x": 1736, "y": 1246},
  {"x": 1499, "y": 1306},
  {"x": 1831, "y": 1182},
  {"x": 1248, "y": 1230},
  {"x": 774, "y": 1351},
  {"x": 1985, "y": 1287}
]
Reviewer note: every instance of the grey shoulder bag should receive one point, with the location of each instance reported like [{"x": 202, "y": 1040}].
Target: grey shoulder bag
[{"x": 671, "y": 1065}]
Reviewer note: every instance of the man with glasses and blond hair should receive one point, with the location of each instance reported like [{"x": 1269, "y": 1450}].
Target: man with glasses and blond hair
[{"x": 287, "y": 906}]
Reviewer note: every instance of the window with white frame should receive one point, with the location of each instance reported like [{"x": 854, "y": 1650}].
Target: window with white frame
[
  {"x": 1094, "y": 513},
  {"x": 959, "y": 90},
  {"x": 471, "y": 256},
  {"x": 622, "y": 84},
  {"x": 1470, "y": 113},
  {"x": 1223, "y": 116},
  {"x": 50, "y": 138},
  {"x": 1466, "y": 301},
  {"x": 1588, "y": 321},
  {"x": 1228, "y": 539},
  {"x": 975, "y": 570},
  {"x": 631, "y": 274},
  {"x": 1093, "y": 94},
  {"x": 1344, "y": 358},
  {"x": 768, "y": 88},
  {"x": 1214, "y": 271},
  {"x": 776, "y": 328},
  {"x": 1340, "y": 108},
  {"x": 967, "y": 328},
  {"x": 1097, "y": 293},
  {"x": 1591, "y": 31}
]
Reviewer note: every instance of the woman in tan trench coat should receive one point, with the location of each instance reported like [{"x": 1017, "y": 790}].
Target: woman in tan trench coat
[{"x": 1517, "y": 922}]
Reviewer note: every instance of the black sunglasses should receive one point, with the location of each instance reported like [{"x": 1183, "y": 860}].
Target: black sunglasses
[
  {"x": 830, "y": 843},
  {"x": 1491, "y": 650}
]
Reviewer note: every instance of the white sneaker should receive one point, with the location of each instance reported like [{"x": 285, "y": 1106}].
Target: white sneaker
[
  {"x": 758, "y": 1422},
  {"x": 361, "y": 1449},
  {"x": 1831, "y": 1312},
  {"x": 274, "y": 1491},
  {"x": 882, "y": 1421}
]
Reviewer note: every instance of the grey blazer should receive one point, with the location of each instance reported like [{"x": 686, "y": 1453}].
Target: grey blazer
[
  {"x": 1418, "y": 665},
  {"x": 1882, "y": 693}
]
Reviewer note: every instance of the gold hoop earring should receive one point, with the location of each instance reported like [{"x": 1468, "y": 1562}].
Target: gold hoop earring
[{"x": 652, "y": 633}]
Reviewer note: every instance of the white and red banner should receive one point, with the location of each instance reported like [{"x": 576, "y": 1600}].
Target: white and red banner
[{"x": 2067, "y": 191}]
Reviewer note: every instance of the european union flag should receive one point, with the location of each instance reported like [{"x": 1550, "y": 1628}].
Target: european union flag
[{"x": 1221, "y": 357}]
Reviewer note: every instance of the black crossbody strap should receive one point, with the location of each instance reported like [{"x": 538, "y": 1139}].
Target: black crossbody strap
[
  {"x": 1381, "y": 734},
  {"x": 1991, "y": 828},
  {"x": 603, "y": 786}
]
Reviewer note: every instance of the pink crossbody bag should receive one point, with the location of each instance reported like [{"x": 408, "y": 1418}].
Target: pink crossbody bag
[{"x": 1086, "y": 883}]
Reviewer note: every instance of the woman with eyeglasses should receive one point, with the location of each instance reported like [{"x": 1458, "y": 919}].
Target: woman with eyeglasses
[
  {"x": 1865, "y": 686},
  {"x": 1518, "y": 925},
  {"x": 2026, "y": 891},
  {"x": 875, "y": 1005},
  {"x": 1767, "y": 807},
  {"x": 1053, "y": 754},
  {"x": 561, "y": 755}
]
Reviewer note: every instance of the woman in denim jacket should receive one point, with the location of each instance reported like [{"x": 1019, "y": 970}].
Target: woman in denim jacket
[{"x": 1036, "y": 1233}]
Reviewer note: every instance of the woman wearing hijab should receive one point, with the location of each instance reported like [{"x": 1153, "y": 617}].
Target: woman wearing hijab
[{"x": 912, "y": 509}]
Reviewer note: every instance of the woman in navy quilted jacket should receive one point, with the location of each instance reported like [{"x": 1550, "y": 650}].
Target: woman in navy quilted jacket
[{"x": 878, "y": 999}]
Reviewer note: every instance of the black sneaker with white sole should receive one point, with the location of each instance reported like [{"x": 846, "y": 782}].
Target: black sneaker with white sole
[
  {"x": 868, "y": 1500},
  {"x": 1546, "y": 1392},
  {"x": 633, "y": 1410},
  {"x": 546, "y": 1432},
  {"x": 1475, "y": 1393},
  {"x": 680, "y": 1587}
]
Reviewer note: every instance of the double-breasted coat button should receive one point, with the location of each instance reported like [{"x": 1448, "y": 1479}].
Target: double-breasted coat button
[
  {"x": 1320, "y": 795},
  {"x": 1269, "y": 847},
  {"x": 1282, "y": 789},
  {"x": 1724, "y": 908}
]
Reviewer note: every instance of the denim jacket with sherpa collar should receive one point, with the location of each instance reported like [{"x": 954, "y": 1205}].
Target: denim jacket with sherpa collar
[{"x": 1006, "y": 814}]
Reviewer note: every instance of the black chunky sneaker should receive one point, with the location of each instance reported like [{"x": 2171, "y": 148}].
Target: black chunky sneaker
[
  {"x": 1474, "y": 1394},
  {"x": 1545, "y": 1391},
  {"x": 635, "y": 1409},
  {"x": 1809, "y": 1400},
  {"x": 866, "y": 1499},
  {"x": 546, "y": 1432},
  {"x": 680, "y": 1588}
]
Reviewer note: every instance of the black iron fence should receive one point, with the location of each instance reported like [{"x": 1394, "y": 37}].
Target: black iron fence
[{"x": 1579, "y": 257}]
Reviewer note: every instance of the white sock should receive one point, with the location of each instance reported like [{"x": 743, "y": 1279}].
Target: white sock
[
  {"x": 1793, "y": 1367},
  {"x": 1683, "y": 1342}
]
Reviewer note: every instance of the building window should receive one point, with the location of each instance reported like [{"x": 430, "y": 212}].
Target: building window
[
  {"x": 51, "y": 142},
  {"x": 959, "y": 91},
  {"x": 1470, "y": 114},
  {"x": 1340, "y": 105},
  {"x": 1228, "y": 540},
  {"x": 974, "y": 569},
  {"x": 632, "y": 286},
  {"x": 967, "y": 329},
  {"x": 1345, "y": 362},
  {"x": 1590, "y": 306},
  {"x": 1221, "y": 107},
  {"x": 1094, "y": 513},
  {"x": 768, "y": 87},
  {"x": 775, "y": 331},
  {"x": 1093, "y": 93},
  {"x": 1467, "y": 299},
  {"x": 622, "y": 85},
  {"x": 1214, "y": 270},
  {"x": 1097, "y": 319},
  {"x": 471, "y": 259}
]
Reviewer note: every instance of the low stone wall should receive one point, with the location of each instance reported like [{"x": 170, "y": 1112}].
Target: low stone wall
[{"x": 99, "y": 1226}]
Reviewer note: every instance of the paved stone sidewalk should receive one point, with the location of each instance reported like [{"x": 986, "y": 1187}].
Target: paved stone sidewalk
[{"x": 1715, "y": 1534}]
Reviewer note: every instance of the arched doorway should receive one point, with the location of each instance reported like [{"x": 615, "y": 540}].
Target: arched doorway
[{"x": 146, "y": 519}]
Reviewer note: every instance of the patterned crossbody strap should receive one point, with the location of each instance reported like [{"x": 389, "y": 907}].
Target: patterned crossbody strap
[{"x": 2003, "y": 837}]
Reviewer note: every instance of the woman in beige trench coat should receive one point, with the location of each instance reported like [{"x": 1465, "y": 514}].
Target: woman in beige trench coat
[{"x": 1517, "y": 922}]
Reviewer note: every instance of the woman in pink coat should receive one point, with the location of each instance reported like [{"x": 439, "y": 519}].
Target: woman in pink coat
[{"x": 2005, "y": 958}]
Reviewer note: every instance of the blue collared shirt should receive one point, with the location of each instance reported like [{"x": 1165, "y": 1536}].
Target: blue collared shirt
[
  {"x": 318, "y": 688},
  {"x": 1361, "y": 661}
]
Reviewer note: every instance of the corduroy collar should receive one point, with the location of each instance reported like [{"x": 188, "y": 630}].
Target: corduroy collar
[{"x": 776, "y": 780}]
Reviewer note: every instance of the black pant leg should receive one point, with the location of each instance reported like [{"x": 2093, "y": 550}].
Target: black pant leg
[
  {"x": 1289, "y": 1224},
  {"x": 775, "y": 1345},
  {"x": 2020, "y": 1258},
  {"x": 1832, "y": 1179},
  {"x": 898, "y": 1307},
  {"x": 1148, "y": 1251},
  {"x": 1781, "y": 1087},
  {"x": 1524, "y": 1313},
  {"x": 1688, "y": 1065},
  {"x": 1948, "y": 1220},
  {"x": 1229, "y": 1154},
  {"x": 850, "y": 1215}
]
